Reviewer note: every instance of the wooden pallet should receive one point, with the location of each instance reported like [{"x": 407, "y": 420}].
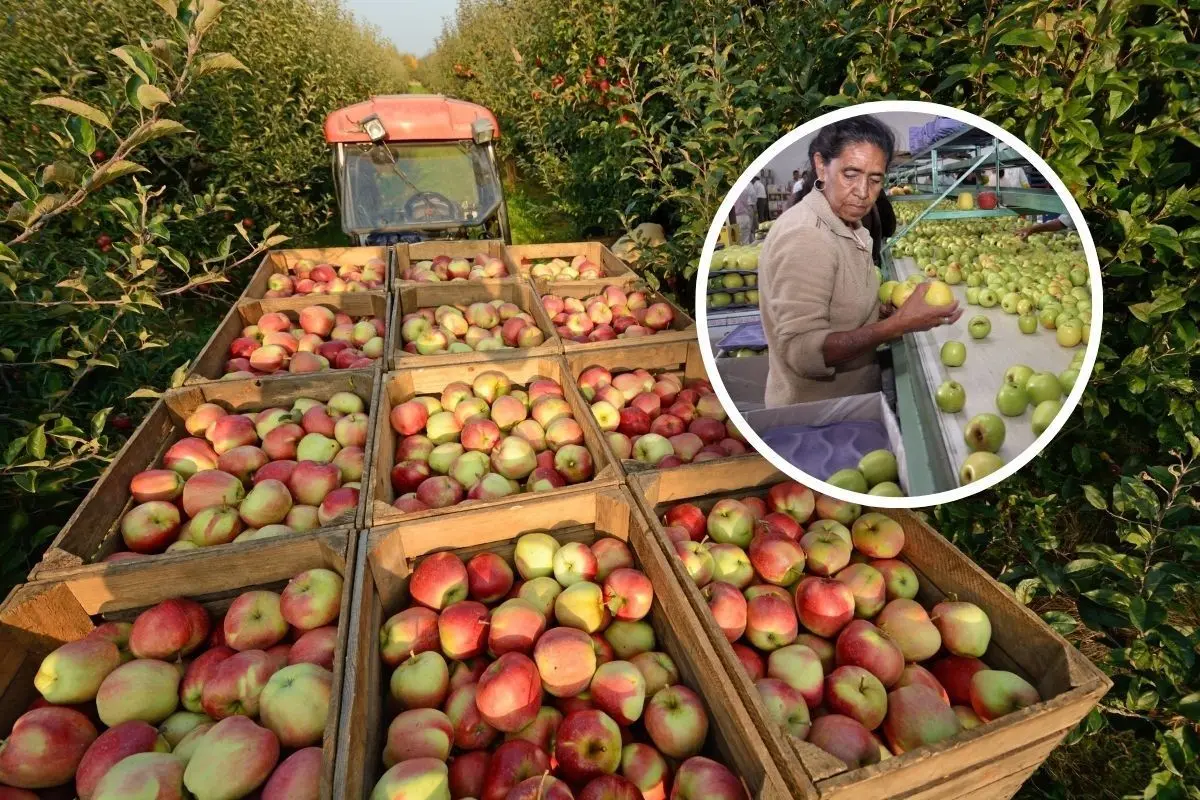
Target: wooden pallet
[
  {"x": 683, "y": 327},
  {"x": 39, "y": 617},
  {"x": 388, "y": 555},
  {"x": 93, "y": 533},
  {"x": 210, "y": 364},
  {"x": 616, "y": 271},
  {"x": 404, "y": 255},
  {"x": 413, "y": 296},
  {"x": 401, "y": 385},
  {"x": 990, "y": 761},
  {"x": 282, "y": 261}
]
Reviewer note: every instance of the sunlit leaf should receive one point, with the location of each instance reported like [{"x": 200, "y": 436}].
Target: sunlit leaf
[{"x": 81, "y": 109}]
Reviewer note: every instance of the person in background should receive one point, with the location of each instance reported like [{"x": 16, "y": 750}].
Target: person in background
[
  {"x": 743, "y": 212},
  {"x": 818, "y": 287},
  {"x": 880, "y": 223},
  {"x": 1062, "y": 222},
  {"x": 797, "y": 182},
  {"x": 762, "y": 212}
]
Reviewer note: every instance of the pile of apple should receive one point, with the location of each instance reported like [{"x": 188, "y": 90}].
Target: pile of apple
[
  {"x": 320, "y": 339},
  {"x": 659, "y": 420},
  {"x": 579, "y": 268},
  {"x": 822, "y": 614},
  {"x": 220, "y": 710},
  {"x": 547, "y": 687},
  {"x": 478, "y": 327},
  {"x": 249, "y": 476},
  {"x": 485, "y": 440},
  {"x": 309, "y": 277},
  {"x": 448, "y": 268},
  {"x": 877, "y": 473},
  {"x": 611, "y": 314}
]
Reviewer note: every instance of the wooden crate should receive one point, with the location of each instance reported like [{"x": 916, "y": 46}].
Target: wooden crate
[
  {"x": 388, "y": 555},
  {"x": 397, "y": 387},
  {"x": 93, "y": 531},
  {"x": 412, "y": 296},
  {"x": 616, "y": 271},
  {"x": 282, "y": 261},
  {"x": 210, "y": 364},
  {"x": 683, "y": 327},
  {"x": 990, "y": 761},
  {"x": 404, "y": 255},
  {"x": 39, "y": 617},
  {"x": 681, "y": 358}
]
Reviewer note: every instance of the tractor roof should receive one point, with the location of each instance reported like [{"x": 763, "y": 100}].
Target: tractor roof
[{"x": 409, "y": 118}]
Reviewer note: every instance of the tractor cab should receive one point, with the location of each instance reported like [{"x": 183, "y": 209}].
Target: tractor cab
[{"x": 409, "y": 168}]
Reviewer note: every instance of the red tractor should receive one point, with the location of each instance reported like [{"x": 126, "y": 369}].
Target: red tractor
[{"x": 408, "y": 168}]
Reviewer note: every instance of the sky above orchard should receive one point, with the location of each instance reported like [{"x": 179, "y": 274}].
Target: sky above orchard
[{"x": 413, "y": 25}]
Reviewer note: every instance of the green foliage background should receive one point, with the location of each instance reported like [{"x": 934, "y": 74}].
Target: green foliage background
[{"x": 636, "y": 109}]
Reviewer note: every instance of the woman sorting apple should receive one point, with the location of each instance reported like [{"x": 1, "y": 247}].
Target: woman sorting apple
[{"x": 818, "y": 286}]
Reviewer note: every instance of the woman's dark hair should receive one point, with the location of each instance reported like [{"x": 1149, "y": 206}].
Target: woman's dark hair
[{"x": 831, "y": 140}]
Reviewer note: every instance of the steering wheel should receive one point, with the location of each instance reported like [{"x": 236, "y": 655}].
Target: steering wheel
[{"x": 431, "y": 207}]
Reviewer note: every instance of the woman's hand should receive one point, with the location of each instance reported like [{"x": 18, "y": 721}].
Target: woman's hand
[{"x": 917, "y": 315}]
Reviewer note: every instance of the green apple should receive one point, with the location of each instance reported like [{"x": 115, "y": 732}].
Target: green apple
[
  {"x": 1065, "y": 318},
  {"x": 1048, "y": 315},
  {"x": 1012, "y": 400},
  {"x": 972, "y": 296},
  {"x": 939, "y": 294},
  {"x": 951, "y": 397},
  {"x": 985, "y": 432},
  {"x": 887, "y": 489},
  {"x": 1009, "y": 302},
  {"x": 1043, "y": 386},
  {"x": 979, "y": 465},
  {"x": 979, "y": 327},
  {"x": 1067, "y": 378},
  {"x": 885, "y": 291},
  {"x": 849, "y": 479},
  {"x": 1069, "y": 334},
  {"x": 879, "y": 466},
  {"x": 1025, "y": 306},
  {"x": 973, "y": 280},
  {"x": 1018, "y": 375},
  {"x": 954, "y": 276},
  {"x": 1044, "y": 414},
  {"x": 1027, "y": 323},
  {"x": 954, "y": 353},
  {"x": 1078, "y": 276},
  {"x": 987, "y": 297}
]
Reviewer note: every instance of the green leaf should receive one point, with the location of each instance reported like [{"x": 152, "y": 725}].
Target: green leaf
[
  {"x": 154, "y": 129},
  {"x": 90, "y": 113},
  {"x": 207, "y": 14},
  {"x": 1190, "y": 706},
  {"x": 98, "y": 421},
  {"x": 6, "y": 254},
  {"x": 112, "y": 171},
  {"x": 169, "y": 7},
  {"x": 139, "y": 61},
  {"x": 1063, "y": 623},
  {"x": 37, "y": 442},
  {"x": 69, "y": 363},
  {"x": 1146, "y": 615},
  {"x": 14, "y": 449},
  {"x": 83, "y": 135},
  {"x": 151, "y": 97},
  {"x": 1095, "y": 497},
  {"x": 1026, "y": 37},
  {"x": 144, "y": 392},
  {"x": 11, "y": 176},
  {"x": 219, "y": 62}
]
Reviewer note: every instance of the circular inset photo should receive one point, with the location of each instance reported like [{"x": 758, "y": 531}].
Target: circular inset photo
[{"x": 900, "y": 304}]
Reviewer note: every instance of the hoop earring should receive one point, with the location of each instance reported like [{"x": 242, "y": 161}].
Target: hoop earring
[{"x": 819, "y": 185}]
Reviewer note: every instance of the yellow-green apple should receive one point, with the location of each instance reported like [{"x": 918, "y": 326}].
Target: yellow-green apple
[
  {"x": 826, "y": 552},
  {"x": 967, "y": 717},
  {"x": 418, "y": 733},
  {"x": 777, "y": 558},
  {"x": 566, "y": 661},
  {"x": 588, "y": 745},
  {"x": 846, "y": 739},
  {"x": 200, "y": 420},
  {"x": 651, "y": 448},
  {"x": 73, "y": 673},
  {"x": 180, "y": 724},
  {"x": 462, "y": 630},
  {"x": 909, "y": 626},
  {"x": 145, "y": 774},
  {"x": 770, "y": 622},
  {"x": 514, "y": 458},
  {"x": 312, "y": 599},
  {"x": 856, "y": 693},
  {"x": 731, "y": 565},
  {"x": 233, "y": 759},
  {"x": 421, "y": 681},
  {"x": 532, "y": 432},
  {"x": 234, "y": 685},
  {"x": 541, "y": 593},
  {"x": 954, "y": 673},
  {"x": 915, "y": 674},
  {"x": 510, "y": 693},
  {"x": 45, "y": 748},
  {"x": 342, "y": 403},
  {"x": 900, "y": 580},
  {"x": 785, "y": 705},
  {"x": 534, "y": 555},
  {"x": 442, "y": 457},
  {"x": 824, "y": 606},
  {"x": 628, "y": 593},
  {"x": 689, "y": 517},
  {"x": 868, "y": 587},
  {"x": 676, "y": 721},
  {"x": 646, "y": 768},
  {"x": 150, "y": 527},
  {"x": 168, "y": 630},
  {"x": 799, "y": 666},
  {"x": 607, "y": 416},
  {"x": 267, "y": 503},
  {"x": 697, "y": 561},
  {"x": 574, "y": 463},
  {"x": 629, "y": 638},
  {"x": 730, "y": 522},
  {"x": 490, "y": 385},
  {"x": 574, "y": 563},
  {"x": 541, "y": 787},
  {"x": 622, "y": 445},
  {"x": 965, "y": 628},
  {"x": 512, "y": 763},
  {"x": 658, "y": 670},
  {"x": 471, "y": 732},
  {"x": 298, "y": 777},
  {"x": 917, "y": 716},
  {"x": 995, "y": 693},
  {"x": 315, "y": 647},
  {"x": 142, "y": 689},
  {"x": 792, "y": 499},
  {"x": 453, "y": 394},
  {"x": 351, "y": 430},
  {"x": 413, "y": 630},
  {"x": 837, "y": 510},
  {"x": 156, "y": 484},
  {"x": 199, "y": 671},
  {"x": 110, "y": 748},
  {"x": 189, "y": 456},
  {"x": 861, "y": 644},
  {"x": 472, "y": 408},
  {"x": 581, "y": 606},
  {"x": 544, "y": 479},
  {"x": 822, "y": 647},
  {"x": 877, "y": 535},
  {"x": 515, "y": 626},
  {"x": 294, "y": 705},
  {"x": 212, "y": 526}
]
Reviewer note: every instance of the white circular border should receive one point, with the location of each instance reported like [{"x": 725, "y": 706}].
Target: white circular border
[{"x": 1085, "y": 237}]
